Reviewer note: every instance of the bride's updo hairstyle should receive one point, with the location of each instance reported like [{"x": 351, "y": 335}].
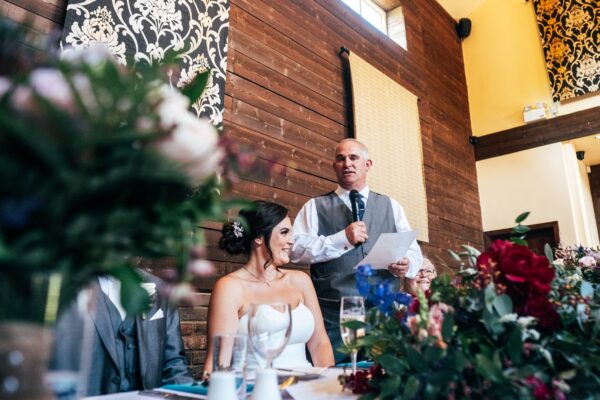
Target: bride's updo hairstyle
[{"x": 237, "y": 235}]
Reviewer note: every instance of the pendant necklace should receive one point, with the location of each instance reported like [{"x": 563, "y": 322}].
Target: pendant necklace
[{"x": 268, "y": 283}]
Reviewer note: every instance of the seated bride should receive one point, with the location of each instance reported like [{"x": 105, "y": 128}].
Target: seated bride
[{"x": 266, "y": 238}]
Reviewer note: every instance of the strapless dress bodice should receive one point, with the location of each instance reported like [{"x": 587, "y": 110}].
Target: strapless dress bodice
[{"x": 294, "y": 354}]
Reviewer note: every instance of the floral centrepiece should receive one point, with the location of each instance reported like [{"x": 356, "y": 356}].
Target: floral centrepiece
[
  {"x": 510, "y": 324},
  {"x": 99, "y": 166}
]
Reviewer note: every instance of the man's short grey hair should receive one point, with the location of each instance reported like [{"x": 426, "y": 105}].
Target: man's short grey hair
[{"x": 363, "y": 149}]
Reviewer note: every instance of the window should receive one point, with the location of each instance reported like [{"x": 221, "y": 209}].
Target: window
[
  {"x": 370, "y": 11},
  {"x": 391, "y": 22}
]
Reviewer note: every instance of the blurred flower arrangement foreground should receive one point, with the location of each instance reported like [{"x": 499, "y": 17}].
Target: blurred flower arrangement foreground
[
  {"x": 99, "y": 165},
  {"x": 510, "y": 324}
]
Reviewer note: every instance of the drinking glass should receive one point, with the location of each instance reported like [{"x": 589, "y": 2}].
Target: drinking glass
[
  {"x": 229, "y": 354},
  {"x": 352, "y": 308},
  {"x": 269, "y": 328}
]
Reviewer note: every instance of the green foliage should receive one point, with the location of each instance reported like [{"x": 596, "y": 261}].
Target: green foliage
[
  {"x": 85, "y": 188},
  {"x": 487, "y": 346}
]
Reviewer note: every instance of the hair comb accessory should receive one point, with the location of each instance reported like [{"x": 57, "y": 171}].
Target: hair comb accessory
[{"x": 238, "y": 229}]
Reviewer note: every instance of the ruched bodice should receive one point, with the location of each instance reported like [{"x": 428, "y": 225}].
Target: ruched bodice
[{"x": 294, "y": 354}]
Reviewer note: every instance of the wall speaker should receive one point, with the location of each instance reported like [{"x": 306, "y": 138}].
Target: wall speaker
[{"x": 463, "y": 27}]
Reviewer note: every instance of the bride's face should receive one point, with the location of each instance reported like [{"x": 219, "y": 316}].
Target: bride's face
[{"x": 281, "y": 242}]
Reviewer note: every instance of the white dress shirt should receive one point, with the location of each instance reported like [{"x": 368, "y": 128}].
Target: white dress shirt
[
  {"x": 112, "y": 288},
  {"x": 310, "y": 247}
]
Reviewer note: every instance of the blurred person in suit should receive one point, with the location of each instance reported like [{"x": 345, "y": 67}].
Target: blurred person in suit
[{"x": 127, "y": 352}]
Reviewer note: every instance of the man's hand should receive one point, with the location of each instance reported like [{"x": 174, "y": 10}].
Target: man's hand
[
  {"x": 356, "y": 232},
  {"x": 400, "y": 268}
]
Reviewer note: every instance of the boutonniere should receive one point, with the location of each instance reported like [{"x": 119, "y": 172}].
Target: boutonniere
[{"x": 151, "y": 289}]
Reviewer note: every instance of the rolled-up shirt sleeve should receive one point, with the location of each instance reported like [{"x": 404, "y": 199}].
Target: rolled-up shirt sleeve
[
  {"x": 310, "y": 247},
  {"x": 415, "y": 257}
]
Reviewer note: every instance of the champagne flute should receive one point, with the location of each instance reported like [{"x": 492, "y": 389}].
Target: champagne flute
[
  {"x": 352, "y": 308},
  {"x": 269, "y": 328}
]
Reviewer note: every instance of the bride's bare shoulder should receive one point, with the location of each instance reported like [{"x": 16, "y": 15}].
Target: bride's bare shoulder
[{"x": 297, "y": 277}]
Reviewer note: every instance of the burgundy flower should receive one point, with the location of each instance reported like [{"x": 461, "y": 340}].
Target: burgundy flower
[
  {"x": 540, "y": 390},
  {"x": 543, "y": 310},
  {"x": 516, "y": 271}
]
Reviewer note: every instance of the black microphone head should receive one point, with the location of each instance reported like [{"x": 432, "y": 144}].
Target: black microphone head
[{"x": 354, "y": 197}]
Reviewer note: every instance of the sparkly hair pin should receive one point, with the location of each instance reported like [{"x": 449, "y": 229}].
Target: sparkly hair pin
[{"x": 238, "y": 229}]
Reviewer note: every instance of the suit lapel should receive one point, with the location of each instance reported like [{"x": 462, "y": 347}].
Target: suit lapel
[{"x": 101, "y": 318}]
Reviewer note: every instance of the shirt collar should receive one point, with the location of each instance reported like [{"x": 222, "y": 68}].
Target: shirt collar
[{"x": 345, "y": 194}]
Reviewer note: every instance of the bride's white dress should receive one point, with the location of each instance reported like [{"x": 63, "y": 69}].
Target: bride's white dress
[{"x": 294, "y": 354}]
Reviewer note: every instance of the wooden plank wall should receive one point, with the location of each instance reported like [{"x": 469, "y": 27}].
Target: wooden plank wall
[{"x": 285, "y": 94}]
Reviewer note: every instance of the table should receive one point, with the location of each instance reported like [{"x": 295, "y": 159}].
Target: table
[{"x": 324, "y": 388}]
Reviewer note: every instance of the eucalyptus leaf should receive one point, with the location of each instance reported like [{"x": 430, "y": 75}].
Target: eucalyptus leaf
[
  {"x": 503, "y": 305},
  {"x": 390, "y": 386},
  {"x": 521, "y": 229},
  {"x": 391, "y": 364},
  {"x": 194, "y": 89},
  {"x": 515, "y": 345},
  {"x": 416, "y": 360},
  {"x": 522, "y": 217},
  {"x": 549, "y": 253},
  {"x": 586, "y": 289},
  {"x": 354, "y": 325},
  {"x": 489, "y": 296},
  {"x": 488, "y": 368},
  {"x": 411, "y": 388}
]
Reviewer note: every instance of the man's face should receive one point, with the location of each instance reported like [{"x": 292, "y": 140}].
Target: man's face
[{"x": 351, "y": 166}]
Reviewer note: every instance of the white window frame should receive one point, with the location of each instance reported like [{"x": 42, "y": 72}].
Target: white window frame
[{"x": 380, "y": 11}]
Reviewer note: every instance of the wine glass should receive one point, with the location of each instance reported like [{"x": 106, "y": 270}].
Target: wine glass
[
  {"x": 269, "y": 328},
  {"x": 352, "y": 308}
]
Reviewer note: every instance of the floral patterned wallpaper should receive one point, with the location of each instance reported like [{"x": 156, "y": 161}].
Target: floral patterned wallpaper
[
  {"x": 144, "y": 31},
  {"x": 570, "y": 32}
]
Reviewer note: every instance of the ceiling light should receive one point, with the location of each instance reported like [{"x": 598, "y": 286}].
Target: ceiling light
[{"x": 597, "y": 136}]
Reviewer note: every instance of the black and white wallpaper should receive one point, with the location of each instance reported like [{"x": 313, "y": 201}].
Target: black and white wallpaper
[{"x": 145, "y": 30}]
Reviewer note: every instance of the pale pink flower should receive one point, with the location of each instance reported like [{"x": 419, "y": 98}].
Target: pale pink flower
[
  {"x": 201, "y": 268},
  {"x": 5, "y": 85},
  {"x": 193, "y": 142},
  {"x": 587, "y": 261},
  {"x": 52, "y": 85},
  {"x": 22, "y": 98}
]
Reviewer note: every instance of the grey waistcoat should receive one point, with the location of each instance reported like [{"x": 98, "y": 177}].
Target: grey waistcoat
[
  {"x": 127, "y": 349},
  {"x": 335, "y": 278}
]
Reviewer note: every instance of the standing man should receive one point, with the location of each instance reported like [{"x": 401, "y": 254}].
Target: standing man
[{"x": 326, "y": 237}]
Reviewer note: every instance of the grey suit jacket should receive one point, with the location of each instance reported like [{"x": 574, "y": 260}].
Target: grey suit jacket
[{"x": 160, "y": 347}]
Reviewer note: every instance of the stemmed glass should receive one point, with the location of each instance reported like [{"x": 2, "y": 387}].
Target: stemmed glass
[
  {"x": 352, "y": 308},
  {"x": 269, "y": 328}
]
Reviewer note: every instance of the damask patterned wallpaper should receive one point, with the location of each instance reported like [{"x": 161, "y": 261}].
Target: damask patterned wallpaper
[
  {"x": 145, "y": 30},
  {"x": 570, "y": 32}
]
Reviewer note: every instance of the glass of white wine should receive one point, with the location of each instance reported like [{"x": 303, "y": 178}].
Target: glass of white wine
[{"x": 352, "y": 308}]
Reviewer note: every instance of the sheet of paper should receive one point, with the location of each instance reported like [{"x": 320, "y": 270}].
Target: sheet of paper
[{"x": 389, "y": 248}]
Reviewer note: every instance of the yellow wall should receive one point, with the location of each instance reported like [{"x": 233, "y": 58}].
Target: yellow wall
[
  {"x": 549, "y": 182},
  {"x": 505, "y": 67}
]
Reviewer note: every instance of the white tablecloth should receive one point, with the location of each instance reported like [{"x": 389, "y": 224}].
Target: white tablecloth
[{"x": 326, "y": 387}]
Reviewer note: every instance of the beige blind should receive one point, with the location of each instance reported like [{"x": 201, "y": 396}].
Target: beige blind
[{"x": 387, "y": 121}]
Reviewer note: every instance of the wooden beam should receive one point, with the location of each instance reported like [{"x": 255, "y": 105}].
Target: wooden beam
[{"x": 539, "y": 133}]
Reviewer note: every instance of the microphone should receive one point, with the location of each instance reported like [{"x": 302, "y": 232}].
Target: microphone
[{"x": 354, "y": 200}]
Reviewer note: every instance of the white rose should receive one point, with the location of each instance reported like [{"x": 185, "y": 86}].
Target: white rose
[
  {"x": 508, "y": 318},
  {"x": 173, "y": 105},
  {"x": 52, "y": 85},
  {"x": 95, "y": 55},
  {"x": 525, "y": 321}
]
